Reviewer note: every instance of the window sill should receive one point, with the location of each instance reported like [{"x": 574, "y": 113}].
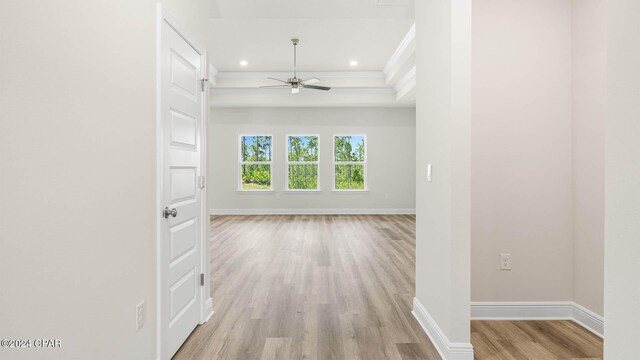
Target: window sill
[
  {"x": 316, "y": 191},
  {"x": 351, "y": 192},
  {"x": 250, "y": 192}
]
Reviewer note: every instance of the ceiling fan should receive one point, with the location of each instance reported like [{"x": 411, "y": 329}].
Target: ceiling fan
[{"x": 294, "y": 83}]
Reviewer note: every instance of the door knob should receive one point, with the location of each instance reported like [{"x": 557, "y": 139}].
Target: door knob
[{"x": 170, "y": 212}]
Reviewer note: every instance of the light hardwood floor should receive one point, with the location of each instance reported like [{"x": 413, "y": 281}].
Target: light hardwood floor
[
  {"x": 311, "y": 287},
  {"x": 534, "y": 340},
  {"x": 340, "y": 287}
]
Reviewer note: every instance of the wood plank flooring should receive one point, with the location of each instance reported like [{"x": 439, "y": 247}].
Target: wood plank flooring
[
  {"x": 534, "y": 340},
  {"x": 341, "y": 287},
  {"x": 311, "y": 287}
]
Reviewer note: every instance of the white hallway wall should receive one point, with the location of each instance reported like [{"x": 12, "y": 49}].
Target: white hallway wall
[
  {"x": 443, "y": 125},
  {"x": 521, "y": 161},
  {"x": 78, "y": 168},
  {"x": 622, "y": 185},
  {"x": 538, "y": 151},
  {"x": 589, "y": 67},
  {"x": 390, "y": 150}
]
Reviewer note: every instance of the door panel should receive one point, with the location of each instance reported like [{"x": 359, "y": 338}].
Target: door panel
[
  {"x": 181, "y": 142},
  {"x": 183, "y": 184},
  {"x": 184, "y": 75},
  {"x": 183, "y": 295},
  {"x": 183, "y": 240},
  {"x": 183, "y": 130}
]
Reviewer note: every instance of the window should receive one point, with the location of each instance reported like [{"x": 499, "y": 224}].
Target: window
[
  {"x": 302, "y": 162},
  {"x": 255, "y": 162},
  {"x": 350, "y": 162}
]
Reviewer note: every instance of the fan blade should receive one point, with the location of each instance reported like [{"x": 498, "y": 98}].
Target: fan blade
[
  {"x": 310, "y": 81},
  {"x": 282, "y": 81},
  {"x": 316, "y": 87},
  {"x": 275, "y": 86},
  {"x": 295, "y": 90}
]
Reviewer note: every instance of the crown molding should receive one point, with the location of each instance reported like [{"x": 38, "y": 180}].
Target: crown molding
[
  {"x": 301, "y": 74},
  {"x": 401, "y": 55},
  {"x": 305, "y": 99},
  {"x": 336, "y": 90},
  {"x": 213, "y": 75},
  {"x": 406, "y": 84}
]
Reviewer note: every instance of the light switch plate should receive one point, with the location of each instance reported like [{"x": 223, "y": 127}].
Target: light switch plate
[
  {"x": 140, "y": 315},
  {"x": 429, "y": 172}
]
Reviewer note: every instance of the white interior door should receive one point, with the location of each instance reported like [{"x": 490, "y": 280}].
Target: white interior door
[{"x": 181, "y": 193}]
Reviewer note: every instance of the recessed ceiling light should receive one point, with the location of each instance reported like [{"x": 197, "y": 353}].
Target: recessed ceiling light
[
  {"x": 244, "y": 63},
  {"x": 353, "y": 63}
]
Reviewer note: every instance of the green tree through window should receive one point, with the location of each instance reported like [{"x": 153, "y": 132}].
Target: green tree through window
[
  {"x": 255, "y": 162},
  {"x": 302, "y": 162},
  {"x": 350, "y": 159}
]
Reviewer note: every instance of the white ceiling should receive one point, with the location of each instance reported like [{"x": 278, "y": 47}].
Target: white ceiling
[
  {"x": 314, "y": 9},
  {"x": 325, "y": 44},
  {"x": 378, "y": 34}
]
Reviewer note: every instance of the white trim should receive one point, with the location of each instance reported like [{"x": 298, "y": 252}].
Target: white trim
[
  {"x": 402, "y": 53},
  {"x": 208, "y": 310},
  {"x": 588, "y": 319},
  {"x": 221, "y": 90},
  {"x": 301, "y": 74},
  {"x": 521, "y": 310},
  {"x": 159, "y": 21},
  {"x": 309, "y": 100},
  {"x": 349, "y": 191},
  {"x": 538, "y": 310},
  {"x": 312, "y": 212},
  {"x": 408, "y": 39},
  {"x": 255, "y": 191},
  {"x": 213, "y": 75},
  {"x": 406, "y": 84},
  {"x": 448, "y": 350}
]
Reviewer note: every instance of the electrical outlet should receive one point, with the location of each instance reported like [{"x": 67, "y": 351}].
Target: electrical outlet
[
  {"x": 505, "y": 261},
  {"x": 140, "y": 315}
]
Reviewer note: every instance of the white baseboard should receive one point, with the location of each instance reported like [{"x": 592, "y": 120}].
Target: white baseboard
[
  {"x": 539, "y": 310},
  {"x": 208, "y": 310},
  {"x": 522, "y": 310},
  {"x": 312, "y": 211},
  {"x": 447, "y": 349},
  {"x": 588, "y": 319}
]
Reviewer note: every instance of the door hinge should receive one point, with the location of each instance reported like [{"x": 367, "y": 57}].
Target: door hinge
[
  {"x": 201, "y": 181},
  {"x": 202, "y": 84},
  {"x": 202, "y": 279}
]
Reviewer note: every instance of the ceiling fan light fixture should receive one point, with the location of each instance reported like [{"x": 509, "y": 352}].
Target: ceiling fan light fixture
[
  {"x": 244, "y": 63},
  {"x": 353, "y": 62},
  {"x": 295, "y": 83}
]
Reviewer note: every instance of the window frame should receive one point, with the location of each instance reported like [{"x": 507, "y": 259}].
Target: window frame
[
  {"x": 365, "y": 163},
  {"x": 240, "y": 163},
  {"x": 287, "y": 163}
]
